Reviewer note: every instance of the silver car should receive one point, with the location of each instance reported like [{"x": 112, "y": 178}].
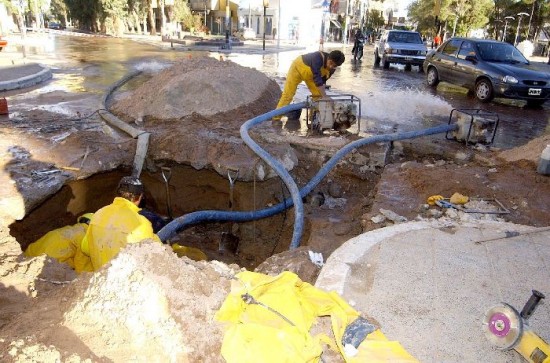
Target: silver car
[{"x": 401, "y": 47}]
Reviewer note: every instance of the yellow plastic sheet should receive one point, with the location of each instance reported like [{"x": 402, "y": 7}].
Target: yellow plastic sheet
[
  {"x": 275, "y": 326},
  {"x": 61, "y": 243},
  {"x": 112, "y": 228},
  {"x": 191, "y": 252}
]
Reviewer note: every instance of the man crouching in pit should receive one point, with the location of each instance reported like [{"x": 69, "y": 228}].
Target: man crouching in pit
[{"x": 116, "y": 225}]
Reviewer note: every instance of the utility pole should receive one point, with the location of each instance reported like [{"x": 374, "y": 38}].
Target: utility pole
[
  {"x": 279, "y": 26},
  {"x": 520, "y": 16},
  {"x": 530, "y": 18},
  {"x": 266, "y": 4}
]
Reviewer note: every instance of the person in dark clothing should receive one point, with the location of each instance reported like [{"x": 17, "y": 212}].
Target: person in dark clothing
[{"x": 358, "y": 45}]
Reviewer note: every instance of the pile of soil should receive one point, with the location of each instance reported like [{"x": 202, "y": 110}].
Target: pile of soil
[
  {"x": 194, "y": 111},
  {"x": 530, "y": 151},
  {"x": 200, "y": 85},
  {"x": 147, "y": 305}
]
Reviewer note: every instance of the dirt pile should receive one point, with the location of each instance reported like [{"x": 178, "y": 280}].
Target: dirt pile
[
  {"x": 147, "y": 305},
  {"x": 201, "y": 85},
  {"x": 530, "y": 151},
  {"x": 194, "y": 111}
]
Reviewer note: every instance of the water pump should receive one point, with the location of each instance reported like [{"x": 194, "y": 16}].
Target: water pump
[{"x": 336, "y": 113}]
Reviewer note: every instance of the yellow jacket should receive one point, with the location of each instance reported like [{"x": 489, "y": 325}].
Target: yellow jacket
[
  {"x": 112, "y": 228},
  {"x": 61, "y": 243},
  {"x": 309, "y": 68}
]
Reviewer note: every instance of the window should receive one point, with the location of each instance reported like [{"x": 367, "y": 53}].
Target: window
[
  {"x": 466, "y": 49},
  {"x": 451, "y": 47}
]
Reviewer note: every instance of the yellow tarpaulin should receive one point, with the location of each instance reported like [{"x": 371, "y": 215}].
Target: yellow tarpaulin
[
  {"x": 61, "y": 243},
  {"x": 269, "y": 319}
]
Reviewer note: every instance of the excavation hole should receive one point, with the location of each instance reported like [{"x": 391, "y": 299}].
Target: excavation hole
[{"x": 190, "y": 190}]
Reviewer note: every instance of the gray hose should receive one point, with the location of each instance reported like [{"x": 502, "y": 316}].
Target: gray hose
[{"x": 194, "y": 218}]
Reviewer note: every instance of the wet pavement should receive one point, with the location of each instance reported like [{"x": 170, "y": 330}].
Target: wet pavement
[{"x": 392, "y": 99}]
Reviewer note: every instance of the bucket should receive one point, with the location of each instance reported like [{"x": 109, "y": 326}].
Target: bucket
[
  {"x": 3, "y": 106},
  {"x": 544, "y": 162}
]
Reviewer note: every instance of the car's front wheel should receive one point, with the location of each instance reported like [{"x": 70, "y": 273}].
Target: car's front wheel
[
  {"x": 432, "y": 77},
  {"x": 484, "y": 90}
]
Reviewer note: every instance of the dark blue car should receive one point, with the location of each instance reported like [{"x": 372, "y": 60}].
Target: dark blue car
[{"x": 489, "y": 69}]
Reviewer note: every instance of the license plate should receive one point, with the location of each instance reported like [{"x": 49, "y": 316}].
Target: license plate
[{"x": 534, "y": 91}]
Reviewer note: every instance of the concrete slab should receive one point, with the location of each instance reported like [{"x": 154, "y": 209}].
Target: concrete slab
[{"x": 429, "y": 284}]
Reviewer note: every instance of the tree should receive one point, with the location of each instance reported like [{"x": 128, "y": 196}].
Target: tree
[
  {"x": 375, "y": 20},
  {"x": 182, "y": 13},
  {"x": 58, "y": 11},
  {"x": 113, "y": 14},
  {"x": 455, "y": 16}
]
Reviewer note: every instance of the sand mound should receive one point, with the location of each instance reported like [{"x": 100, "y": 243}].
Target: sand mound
[
  {"x": 530, "y": 151},
  {"x": 201, "y": 85},
  {"x": 147, "y": 305}
]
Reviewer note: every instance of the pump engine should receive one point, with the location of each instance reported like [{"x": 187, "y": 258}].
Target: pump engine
[{"x": 337, "y": 113}]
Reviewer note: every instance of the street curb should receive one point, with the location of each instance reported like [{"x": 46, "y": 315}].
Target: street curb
[{"x": 27, "y": 81}]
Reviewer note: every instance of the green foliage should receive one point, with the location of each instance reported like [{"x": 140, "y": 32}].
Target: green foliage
[
  {"x": 375, "y": 20},
  {"x": 83, "y": 12},
  {"x": 468, "y": 15},
  {"x": 11, "y": 6},
  {"x": 57, "y": 11},
  {"x": 182, "y": 13},
  {"x": 114, "y": 8}
]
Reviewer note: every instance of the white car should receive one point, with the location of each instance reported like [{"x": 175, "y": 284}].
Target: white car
[{"x": 400, "y": 47}]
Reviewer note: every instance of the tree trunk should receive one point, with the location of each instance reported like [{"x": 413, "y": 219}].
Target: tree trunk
[
  {"x": 162, "y": 17},
  {"x": 144, "y": 24},
  {"x": 152, "y": 20},
  {"x": 136, "y": 22},
  {"x": 22, "y": 27}
]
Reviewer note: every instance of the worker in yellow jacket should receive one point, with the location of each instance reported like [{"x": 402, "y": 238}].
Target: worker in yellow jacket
[
  {"x": 116, "y": 225},
  {"x": 314, "y": 69},
  {"x": 98, "y": 237}
]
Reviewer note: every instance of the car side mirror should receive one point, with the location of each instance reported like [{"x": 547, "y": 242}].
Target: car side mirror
[{"x": 471, "y": 58}]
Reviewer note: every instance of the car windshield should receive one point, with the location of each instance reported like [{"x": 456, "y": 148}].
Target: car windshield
[
  {"x": 500, "y": 52},
  {"x": 401, "y": 37}
]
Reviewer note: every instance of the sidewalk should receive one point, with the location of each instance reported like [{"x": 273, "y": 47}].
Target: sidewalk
[
  {"x": 22, "y": 76},
  {"x": 429, "y": 284}
]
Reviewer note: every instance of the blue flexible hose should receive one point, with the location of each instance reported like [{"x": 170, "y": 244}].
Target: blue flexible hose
[
  {"x": 193, "y": 218},
  {"x": 279, "y": 168}
]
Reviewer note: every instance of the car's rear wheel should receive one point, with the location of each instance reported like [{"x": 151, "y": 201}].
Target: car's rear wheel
[
  {"x": 484, "y": 90},
  {"x": 535, "y": 103},
  {"x": 376, "y": 58},
  {"x": 432, "y": 78}
]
